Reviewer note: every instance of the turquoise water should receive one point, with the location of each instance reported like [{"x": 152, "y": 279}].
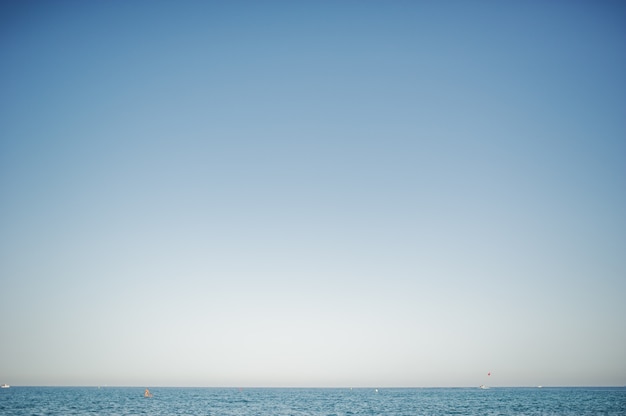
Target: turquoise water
[{"x": 299, "y": 402}]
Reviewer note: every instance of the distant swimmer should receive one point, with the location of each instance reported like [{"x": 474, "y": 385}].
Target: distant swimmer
[{"x": 147, "y": 393}]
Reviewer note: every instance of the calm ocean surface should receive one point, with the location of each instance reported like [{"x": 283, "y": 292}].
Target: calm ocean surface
[{"x": 299, "y": 402}]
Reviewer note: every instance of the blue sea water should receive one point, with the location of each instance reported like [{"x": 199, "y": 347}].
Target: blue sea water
[{"x": 121, "y": 401}]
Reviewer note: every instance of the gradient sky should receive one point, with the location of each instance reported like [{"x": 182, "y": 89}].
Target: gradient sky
[{"x": 336, "y": 193}]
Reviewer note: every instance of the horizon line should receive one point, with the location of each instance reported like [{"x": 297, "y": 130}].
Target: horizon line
[{"x": 96, "y": 386}]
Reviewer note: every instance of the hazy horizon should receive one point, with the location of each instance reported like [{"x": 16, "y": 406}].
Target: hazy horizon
[
  {"x": 278, "y": 387},
  {"x": 313, "y": 193}
]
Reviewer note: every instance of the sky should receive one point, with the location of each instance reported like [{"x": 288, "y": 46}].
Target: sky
[{"x": 313, "y": 194}]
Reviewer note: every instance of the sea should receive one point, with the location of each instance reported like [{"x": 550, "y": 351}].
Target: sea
[{"x": 122, "y": 401}]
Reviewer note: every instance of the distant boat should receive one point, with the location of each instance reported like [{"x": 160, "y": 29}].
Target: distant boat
[
  {"x": 4, "y": 386},
  {"x": 484, "y": 387}
]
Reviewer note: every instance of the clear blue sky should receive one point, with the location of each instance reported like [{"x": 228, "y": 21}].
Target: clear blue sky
[{"x": 313, "y": 193}]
